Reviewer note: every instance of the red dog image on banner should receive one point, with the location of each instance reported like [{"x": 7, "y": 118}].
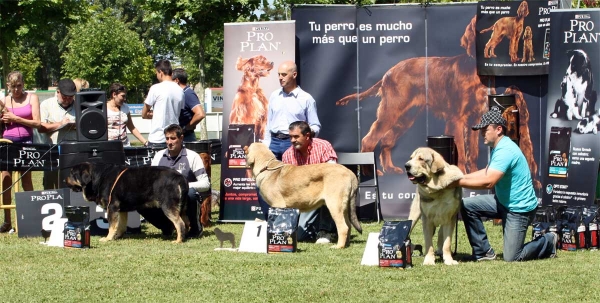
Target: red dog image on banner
[
  {"x": 456, "y": 94},
  {"x": 250, "y": 104},
  {"x": 510, "y": 27},
  {"x": 522, "y": 129},
  {"x": 402, "y": 91}
]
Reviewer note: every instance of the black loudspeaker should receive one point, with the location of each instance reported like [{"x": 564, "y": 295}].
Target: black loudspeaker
[{"x": 90, "y": 114}]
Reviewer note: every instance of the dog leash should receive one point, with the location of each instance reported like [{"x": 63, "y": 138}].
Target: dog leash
[
  {"x": 113, "y": 187},
  {"x": 267, "y": 167}
]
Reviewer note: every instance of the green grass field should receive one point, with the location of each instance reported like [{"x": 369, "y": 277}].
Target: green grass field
[{"x": 148, "y": 268}]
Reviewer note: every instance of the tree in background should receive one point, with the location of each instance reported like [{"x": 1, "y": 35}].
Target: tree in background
[
  {"x": 25, "y": 23},
  {"x": 104, "y": 50}
]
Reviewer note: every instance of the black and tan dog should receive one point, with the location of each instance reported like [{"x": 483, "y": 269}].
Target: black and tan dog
[{"x": 119, "y": 190}]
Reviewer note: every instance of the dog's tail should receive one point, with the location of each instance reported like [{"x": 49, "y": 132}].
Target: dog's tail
[
  {"x": 352, "y": 196},
  {"x": 487, "y": 29},
  {"x": 368, "y": 93}
]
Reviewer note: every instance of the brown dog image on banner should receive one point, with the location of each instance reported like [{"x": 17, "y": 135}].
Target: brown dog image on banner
[
  {"x": 528, "y": 45},
  {"x": 250, "y": 105},
  {"x": 119, "y": 190},
  {"x": 434, "y": 203},
  {"x": 521, "y": 130},
  {"x": 510, "y": 27},
  {"x": 456, "y": 94},
  {"x": 307, "y": 187}
]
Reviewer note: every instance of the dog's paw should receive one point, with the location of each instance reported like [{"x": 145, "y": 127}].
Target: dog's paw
[
  {"x": 450, "y": 262},
  {"x": 553, "y": 115},
  {"x": 104, "y": 239},
  {"x": 429, "y": 260},
  {"x": 337, "y": 246}
]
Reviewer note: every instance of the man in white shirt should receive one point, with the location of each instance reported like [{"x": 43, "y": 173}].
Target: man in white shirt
[{"x": 163, "y": 103}]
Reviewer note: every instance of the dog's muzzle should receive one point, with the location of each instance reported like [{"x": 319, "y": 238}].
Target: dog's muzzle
[{"x": 414, "y": 179}]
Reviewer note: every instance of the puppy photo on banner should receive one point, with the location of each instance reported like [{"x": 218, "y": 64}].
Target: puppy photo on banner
[{"x": 571, "y": 150}]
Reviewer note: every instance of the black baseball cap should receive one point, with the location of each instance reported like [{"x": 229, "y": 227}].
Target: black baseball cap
[
  {"x": 67, "y": 87},
  {"x": 494, "y": 116}
]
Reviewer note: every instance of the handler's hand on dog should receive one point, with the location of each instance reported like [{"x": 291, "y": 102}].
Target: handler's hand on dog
[{"x": 454, "y": 184}]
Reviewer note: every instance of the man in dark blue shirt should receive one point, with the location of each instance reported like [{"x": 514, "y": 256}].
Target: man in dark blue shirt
[{"x": 192, "y": 112}]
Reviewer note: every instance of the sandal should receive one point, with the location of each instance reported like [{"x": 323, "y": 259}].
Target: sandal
[{"x": 6, "y": 227}]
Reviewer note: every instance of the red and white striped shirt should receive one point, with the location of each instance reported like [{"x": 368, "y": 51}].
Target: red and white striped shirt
[{"x": 319, "y": 151}]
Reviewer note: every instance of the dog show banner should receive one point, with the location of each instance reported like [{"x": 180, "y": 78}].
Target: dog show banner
[
  {"x": 403, "y": 84},
  {"x": 253, "y": 52},
  {"x": 513, "y": 37},
  {"x": 24, "y": 156},
  {"x": 572, "y": 146}
]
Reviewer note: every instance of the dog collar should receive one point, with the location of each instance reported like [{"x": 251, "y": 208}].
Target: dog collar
[
  {"x": 267, "y": 167},
  {"x": 113, "y": 187}
]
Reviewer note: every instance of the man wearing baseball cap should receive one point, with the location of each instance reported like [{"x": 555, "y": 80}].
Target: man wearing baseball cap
[
  {"x": 514, "y": 200},
  {"x": 57, "y": 116}
]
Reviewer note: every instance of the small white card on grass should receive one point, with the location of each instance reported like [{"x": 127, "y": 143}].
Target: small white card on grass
[
  {"x": 254, "y": 237},
  {"x": 371, "y": 253},
  {"x": 57, "y": 237}
]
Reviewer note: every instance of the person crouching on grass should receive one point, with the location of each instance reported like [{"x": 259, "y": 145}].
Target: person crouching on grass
[{"x": 514, "y": 202}]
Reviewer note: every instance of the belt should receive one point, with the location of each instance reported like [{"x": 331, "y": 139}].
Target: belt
[{"x": 281, "y": 136}]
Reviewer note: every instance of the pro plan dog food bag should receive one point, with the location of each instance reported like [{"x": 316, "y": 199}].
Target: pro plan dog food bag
[
  {"x": 545, "y": 217},
  {"x": 77, "y": 227},
  {"x": 590, "y": 220},
  {"x": 571, "y": 229},
  {"x": 282, "y": 225},
  {"x": 559, "y": 152},
  {"x": 239, "y": 135},
  {"x": 394, "y": 244}
]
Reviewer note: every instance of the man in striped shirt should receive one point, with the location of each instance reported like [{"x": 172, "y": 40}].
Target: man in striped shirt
[{"x": 316, "y": 224}]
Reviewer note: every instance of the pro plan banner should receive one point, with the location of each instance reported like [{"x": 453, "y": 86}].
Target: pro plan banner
[
  {"x": 513, "y": 37},
  {"x": 253, "y": 52},
  {"x": 390, "y": 98},
  {"x": 22, "y": 157},
  {"x": 572, "y": 145},
  {"x": 404, "y": 84}
]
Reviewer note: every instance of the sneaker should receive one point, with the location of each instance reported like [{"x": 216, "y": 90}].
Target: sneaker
[
  {"x": 554, "y": 242},
  {"x": 6, "y": 227},
  {"x": 325, "y": 238},
  {"x": 489, "y": 255}
]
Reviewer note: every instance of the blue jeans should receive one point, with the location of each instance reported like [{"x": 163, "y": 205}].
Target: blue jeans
[
  {"x": 278, "y": 147},
  {"x": 514, "y": 227}
]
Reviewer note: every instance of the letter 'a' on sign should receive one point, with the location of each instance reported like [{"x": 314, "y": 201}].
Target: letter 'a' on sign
[{"x": 254, "y": 237}]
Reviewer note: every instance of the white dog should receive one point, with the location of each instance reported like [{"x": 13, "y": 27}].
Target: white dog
[{"x": 435, "y": 203}]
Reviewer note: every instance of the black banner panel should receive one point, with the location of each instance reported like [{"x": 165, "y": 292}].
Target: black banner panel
[{"x": 572, "y": 148}]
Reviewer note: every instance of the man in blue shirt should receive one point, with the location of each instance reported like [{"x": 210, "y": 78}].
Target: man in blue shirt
[
  {"x": 192, "y": 112},
  {"x": 514, "y": 201}
]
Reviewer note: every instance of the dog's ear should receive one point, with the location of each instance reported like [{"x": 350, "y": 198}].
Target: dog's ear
[
  {"x": 239, "y": 64},
  {"x": 523, "y": 9},
  {"x": 249, "y": 159},
  {"x": 85, "y": 174},
  {"x": 437, "y": 162}
]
